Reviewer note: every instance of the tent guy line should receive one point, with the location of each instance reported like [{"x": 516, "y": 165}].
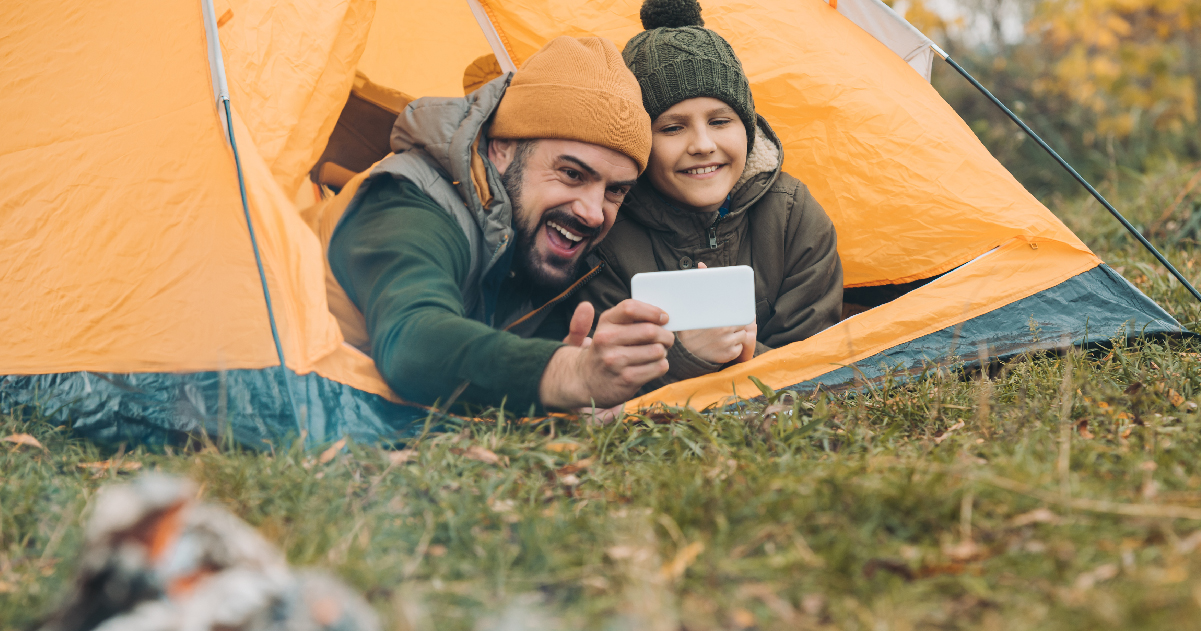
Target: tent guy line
[{"x": 1063, "y": 163}]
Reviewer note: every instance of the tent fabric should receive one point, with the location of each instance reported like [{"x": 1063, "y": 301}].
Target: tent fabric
[
  {"x": 878, "y": 147},
  {"x": 249, "y": 405},
  {"x": 1096, "y": 306},
  {"x": 128, "y": 251},
  {"x": 937, "y": 321},
  {"x": 131, "y": 293}
]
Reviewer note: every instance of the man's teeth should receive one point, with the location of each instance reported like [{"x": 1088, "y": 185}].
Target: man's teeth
[
  {"x": 564, "y": 232},
  {"x": 702, "y": 170}
]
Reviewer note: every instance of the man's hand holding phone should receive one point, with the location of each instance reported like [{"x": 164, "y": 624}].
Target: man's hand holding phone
[{"x": 628, "y": 349}]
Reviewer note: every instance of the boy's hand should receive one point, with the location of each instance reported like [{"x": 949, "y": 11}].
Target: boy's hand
[{"x": 721, "y": 345}]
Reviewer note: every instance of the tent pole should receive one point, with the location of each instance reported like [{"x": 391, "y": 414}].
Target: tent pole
[
  {"x": 1063, "y": 163},
  {"x": 221, "y": 87}
]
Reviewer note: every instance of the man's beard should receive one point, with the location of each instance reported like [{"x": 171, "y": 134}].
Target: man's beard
[{"x": 549, "y": 273}]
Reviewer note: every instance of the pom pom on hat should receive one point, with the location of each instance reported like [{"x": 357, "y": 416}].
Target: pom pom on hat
[
  {"x": 670, "y": 14},
  {"x": 676, "y": 58}
]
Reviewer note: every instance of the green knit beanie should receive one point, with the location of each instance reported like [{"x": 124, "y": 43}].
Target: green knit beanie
[{"x": 676, "y": 59}]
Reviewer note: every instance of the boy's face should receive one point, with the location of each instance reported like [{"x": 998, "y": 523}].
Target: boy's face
[{"x": 698, "y": 152}]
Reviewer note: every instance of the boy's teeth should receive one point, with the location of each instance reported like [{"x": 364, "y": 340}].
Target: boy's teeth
[
  {"x": 564, "y": 232},
  {"x": 702, "y": 170}
]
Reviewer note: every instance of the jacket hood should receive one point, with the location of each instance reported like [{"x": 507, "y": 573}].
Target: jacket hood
[
  {"x": 649, "y": 207},
  {"x": 449, "y": 130}
]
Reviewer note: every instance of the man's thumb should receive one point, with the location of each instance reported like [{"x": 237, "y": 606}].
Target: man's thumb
[{"x": 581, "y": 324}]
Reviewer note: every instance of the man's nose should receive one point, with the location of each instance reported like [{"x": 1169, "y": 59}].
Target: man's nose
[{"x": 589, "y": 207}]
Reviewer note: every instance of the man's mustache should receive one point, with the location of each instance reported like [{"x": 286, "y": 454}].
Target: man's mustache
[{"x": 568, "y": 220}]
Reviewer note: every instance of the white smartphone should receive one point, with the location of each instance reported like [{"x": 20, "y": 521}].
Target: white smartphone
[{"x": 699, "y": 298}]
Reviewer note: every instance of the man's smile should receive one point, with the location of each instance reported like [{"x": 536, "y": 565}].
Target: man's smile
[{"x": 565, "y": 239}]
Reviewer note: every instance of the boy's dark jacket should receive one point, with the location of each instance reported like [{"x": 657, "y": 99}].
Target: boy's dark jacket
[{"x": 774, "y": 225}]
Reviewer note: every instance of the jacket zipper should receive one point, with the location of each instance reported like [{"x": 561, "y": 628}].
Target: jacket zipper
[{"x": 713, "y": 234}]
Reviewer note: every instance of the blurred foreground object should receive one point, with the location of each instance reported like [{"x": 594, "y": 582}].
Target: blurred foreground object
[{"x": 156, "y": 559}]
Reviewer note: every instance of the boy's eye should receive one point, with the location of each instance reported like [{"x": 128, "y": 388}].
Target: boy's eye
[
  {"x": 718, "y": 122},
  {"x": 671, "y": 129}
]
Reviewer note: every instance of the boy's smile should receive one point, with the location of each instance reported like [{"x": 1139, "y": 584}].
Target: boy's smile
[{"x": 698, "y": 152}]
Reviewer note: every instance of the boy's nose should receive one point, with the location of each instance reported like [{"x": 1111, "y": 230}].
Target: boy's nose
[{"x": 703, "y": 143}]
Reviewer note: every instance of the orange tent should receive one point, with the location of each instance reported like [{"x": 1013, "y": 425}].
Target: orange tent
[{"x": 134, "y": 308}]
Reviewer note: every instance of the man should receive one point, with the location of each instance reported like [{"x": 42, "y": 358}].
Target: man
[{"x": 483, "y": 220}]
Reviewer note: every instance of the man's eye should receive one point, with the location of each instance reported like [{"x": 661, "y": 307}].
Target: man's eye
[
  {"x": 572, "y": 173},
  {"x": 619, "y": 191}
]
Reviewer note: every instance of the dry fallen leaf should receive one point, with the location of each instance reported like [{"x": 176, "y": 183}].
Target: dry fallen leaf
[
  {"x": 776, "y": 408},
  {"x": 939, "y": 439},
  {"x": 1133, "y": 388},
  {"x": 619, "y": 553},
  {"x": 1101, "y": 573},
  {"x": 899, "y": 568},
  {"x": 99, "y": 468},
  {"x": 485, "y": 456},
  {"x": 24, "y": 439},
  {"x": 1036, "y": 516},
  {"x": 400, "y": 457},
  {"x": 1082, "y": 428},
  {"x": 963, "y": 551},
  {"x": 684, "y": 557},
  {"x": 333, "y": 450},
  {"x": 575, "y": 467},
  {"x": 561, "y": 446},
  {"x": 569, "y": 480},
  {"x": 1175, "y": 398},
  {"x": 742, "y": 618}
]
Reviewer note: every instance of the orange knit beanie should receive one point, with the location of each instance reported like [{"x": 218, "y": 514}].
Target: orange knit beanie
[{"x": 577, "y": 89}]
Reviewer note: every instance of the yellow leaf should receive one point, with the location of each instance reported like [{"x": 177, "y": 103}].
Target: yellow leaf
[
  {"x": 684, "y": 557},
  {"x": 99, "y": 468},
  {"x": 561, "y": 446},
  {"x": 1175, "y": 398},
  {"x": 333, "y": 450},
  {"x": 24, "y": 439}
]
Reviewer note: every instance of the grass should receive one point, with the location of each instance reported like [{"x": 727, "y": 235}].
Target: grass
[{"x": 1063, "y": 492}]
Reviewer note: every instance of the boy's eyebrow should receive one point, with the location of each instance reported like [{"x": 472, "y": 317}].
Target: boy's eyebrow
[
  {"x": 592, "y": 172},
  {"x": 682, "y": 118}
]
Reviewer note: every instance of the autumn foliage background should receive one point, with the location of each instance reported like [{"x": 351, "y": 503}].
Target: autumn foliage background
[{"x": 1111, "y": 84}]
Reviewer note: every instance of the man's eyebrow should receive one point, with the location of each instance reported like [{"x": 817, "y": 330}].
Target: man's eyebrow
[
  {"x": 629, "y": 183},
  {"x": 583, "y": 165},
  {"x": 592, "y": 172}
]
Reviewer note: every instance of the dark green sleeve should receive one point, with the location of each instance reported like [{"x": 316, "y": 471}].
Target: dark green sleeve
[{"x": 402, "y": 259}]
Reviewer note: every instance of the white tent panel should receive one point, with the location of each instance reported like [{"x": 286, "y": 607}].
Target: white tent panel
[{"x": 892, "y": 30}]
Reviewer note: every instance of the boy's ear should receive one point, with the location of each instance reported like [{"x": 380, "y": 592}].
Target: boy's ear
[{"x": 501, "y": 152}]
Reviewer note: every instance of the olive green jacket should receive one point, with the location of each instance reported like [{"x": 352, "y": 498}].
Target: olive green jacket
[{"x": 773, "y": 225}]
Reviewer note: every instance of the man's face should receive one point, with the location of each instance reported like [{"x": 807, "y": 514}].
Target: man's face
[{"x": 565, "y": 197}]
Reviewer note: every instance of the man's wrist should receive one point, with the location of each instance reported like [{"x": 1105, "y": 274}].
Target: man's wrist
[{"x": 560, "y": 388}]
